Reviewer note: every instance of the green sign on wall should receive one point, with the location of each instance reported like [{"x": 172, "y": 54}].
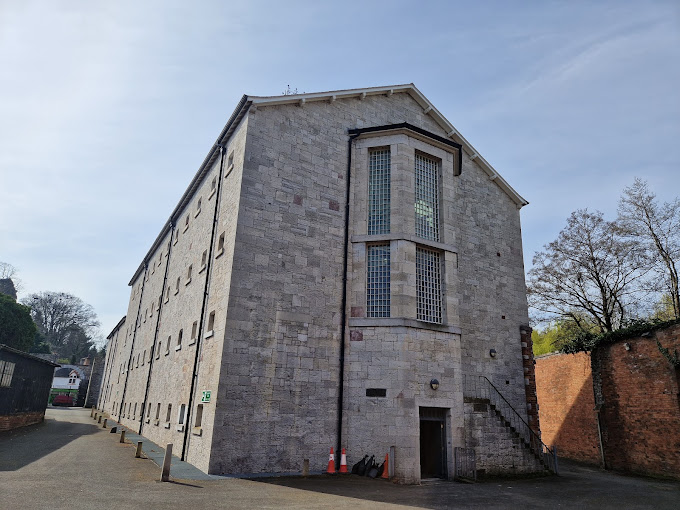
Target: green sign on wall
[{"x": 206, "y": 396}]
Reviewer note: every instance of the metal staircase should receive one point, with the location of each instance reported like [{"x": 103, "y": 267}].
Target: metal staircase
[{"x": 477, "y": 388}]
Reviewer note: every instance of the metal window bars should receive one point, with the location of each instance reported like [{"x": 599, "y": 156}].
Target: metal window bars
[
  {"x": 378, "y": 281},
  {"x": 428, "y": 285},
  {"x": 379, "y": 191},
  {"x": 427, "y": 197}
]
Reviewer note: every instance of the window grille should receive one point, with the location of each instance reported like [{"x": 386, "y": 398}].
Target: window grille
[
  {"x": 378, "y": 281},
  {"x": 427, "y": 198},
  {"x": 428, "y": 285},
  {"x": 379, "y": 192}
]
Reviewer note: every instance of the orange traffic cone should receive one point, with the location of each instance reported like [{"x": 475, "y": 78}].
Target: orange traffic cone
[
  {"x": 343, "y": 462},
  {"x": 331, "y": 464},
  {"x": 386, "y": 467}
]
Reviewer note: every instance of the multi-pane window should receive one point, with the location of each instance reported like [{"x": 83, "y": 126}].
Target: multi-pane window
[
  {"x": 378, "y": 281},
  {"x": 6, "y": 373},
  {"x": 428, "y": 285},
  {"x": 427, "y": 197},
  {"x": 379, "y": 191}
]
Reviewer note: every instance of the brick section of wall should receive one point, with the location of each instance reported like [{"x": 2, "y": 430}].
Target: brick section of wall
[
  {"x": 530, "y": 378},
  {"x": 564, "y": 386},
  {"x": 640, "y": 409},
  {"x": 641, "y": 412},
  {"x": 14, "y": 421}
]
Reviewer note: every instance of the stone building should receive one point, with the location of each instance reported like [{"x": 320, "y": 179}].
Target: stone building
[{"x": 344, "y": 270}]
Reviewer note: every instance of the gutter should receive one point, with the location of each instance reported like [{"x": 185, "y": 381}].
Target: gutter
[
  {"x": 132, "y": 345},
  {"x": 232, "y": 123},
  {"x": 206, "y": 291},
  {"x": 343, "y": 310},
  {"x": 158, "y": 327}
]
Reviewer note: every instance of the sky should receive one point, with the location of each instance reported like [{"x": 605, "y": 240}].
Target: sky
[{"x": 107, "y": 109}]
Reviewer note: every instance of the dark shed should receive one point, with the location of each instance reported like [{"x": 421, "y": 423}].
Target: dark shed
[{"x": 25, "y": 383}]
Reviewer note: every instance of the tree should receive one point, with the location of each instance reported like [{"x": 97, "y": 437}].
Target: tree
[
  {"x": 17, "y": 329},
  {"x": 65, "y": 322},
  {"x": 9, "y": 272},
  {"x": 657, "y": 227},
  {"x": 588, "y": 275}
]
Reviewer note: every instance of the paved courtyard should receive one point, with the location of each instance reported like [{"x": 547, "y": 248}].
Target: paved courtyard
[{"x": 70, "y": 462}]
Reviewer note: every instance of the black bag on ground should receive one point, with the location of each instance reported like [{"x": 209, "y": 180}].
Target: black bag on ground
[
  {"x": 369, "y": 465},
  {"x": 381, "y": 468},
  {"x": 360, "y": 466}
]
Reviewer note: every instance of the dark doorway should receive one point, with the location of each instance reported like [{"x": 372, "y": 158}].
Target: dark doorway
[{"x": 433, "y": 442}]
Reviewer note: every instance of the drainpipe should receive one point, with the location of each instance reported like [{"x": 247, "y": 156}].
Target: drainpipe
[
  {"x": 134, "y": 336},
  {"x": 343, "y": 310},
  {"x": 206, "y": 290},
  {"x": 158, "y": 326}
]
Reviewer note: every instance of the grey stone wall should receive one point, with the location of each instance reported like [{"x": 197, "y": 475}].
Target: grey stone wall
[{"x": 271, "y": 358}]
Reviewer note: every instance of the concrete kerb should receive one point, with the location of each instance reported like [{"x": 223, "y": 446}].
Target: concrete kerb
[{"x": 178, "y": 468}]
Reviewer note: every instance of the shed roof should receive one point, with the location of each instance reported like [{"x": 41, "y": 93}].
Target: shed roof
[{"x": 26, "y": 355}]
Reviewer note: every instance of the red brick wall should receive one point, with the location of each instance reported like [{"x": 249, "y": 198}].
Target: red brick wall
[
  {"x": 14, "y": 421},
  {"x": 564, "y": 386},
  {"x": 641, "y": 412}
]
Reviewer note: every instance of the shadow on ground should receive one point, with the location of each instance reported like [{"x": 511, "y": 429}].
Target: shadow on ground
[{"x": 20, "y": 447}]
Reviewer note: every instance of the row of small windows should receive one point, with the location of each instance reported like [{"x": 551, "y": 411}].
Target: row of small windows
[
  {"x": 428, "y": 261},
  {"x": 141, "y": 357},
  {"x": 129, "y": 410}
]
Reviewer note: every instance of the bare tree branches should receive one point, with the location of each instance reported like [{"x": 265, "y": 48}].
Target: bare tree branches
[
  {"x": 657, "y": 227},
  {"x": 589, "y": 274}
]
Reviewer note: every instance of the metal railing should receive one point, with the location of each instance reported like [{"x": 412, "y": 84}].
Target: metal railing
[{"x": 479, "y": 387}]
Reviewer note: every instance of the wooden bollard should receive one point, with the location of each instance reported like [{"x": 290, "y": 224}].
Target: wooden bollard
[
  {"x": 100, "y": 419},
  {"x": 91, "y": 412},
  {"x": 138, "y": 453},
  {"x": 122, "y": 436},
  {"x": 165, "y": 473},
  {"x": 104, "y": 424},
  {"x": 95, "y": 416}
]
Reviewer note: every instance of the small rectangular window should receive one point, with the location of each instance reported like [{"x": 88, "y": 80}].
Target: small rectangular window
[
  {"x": 198, "y": 208},
  {"x": 167, "y": 346},
  {"x": 182, "y": 410},
  {"x": 177, "y": 285},
  {"x": 148, "y": 411},
  {"x": 169, "y": 413},
  {"x": 211, "y": 324},
  {"x": 220, "y": 245},
  {"x": 199, "y": 415},
  {"x": 158, "y": 411},
  {"x": 167, "y": 294},
  {"x": 6, "y": 373},
  {"x": 186, "y": 223},
  {"x": 428, "y": 285},
  {"x": 176, "y": 237},
  {"x": 230, "y": 161},
  {"x": 204, "y": 259},
  {"x": 179, "y": 340},
  {"x": 379, "y": 191},
  {"x": 194, "y": 331},
  {"x": 378, "y": 281},
  {"x": 189, "y": 270},
  {"x": 158, "y": 350},
  {"x": 144, "y": 357},
  {"x": 134, "y": 413}
]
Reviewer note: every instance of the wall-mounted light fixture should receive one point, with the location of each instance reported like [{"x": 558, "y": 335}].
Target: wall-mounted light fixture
[
  {"x": 434, "y": 384},
  {"x": 626, "y": 346},
  {"x": 493, "y": 353}
]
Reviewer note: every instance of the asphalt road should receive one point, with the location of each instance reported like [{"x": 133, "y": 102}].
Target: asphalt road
[{"x": 70, "y": 462}]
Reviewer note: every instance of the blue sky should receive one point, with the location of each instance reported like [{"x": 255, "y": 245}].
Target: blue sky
[{"x": 108, "y": 108}]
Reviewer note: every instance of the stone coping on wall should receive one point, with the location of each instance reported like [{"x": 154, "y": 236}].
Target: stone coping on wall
[{"x": 379, "y": 322}]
